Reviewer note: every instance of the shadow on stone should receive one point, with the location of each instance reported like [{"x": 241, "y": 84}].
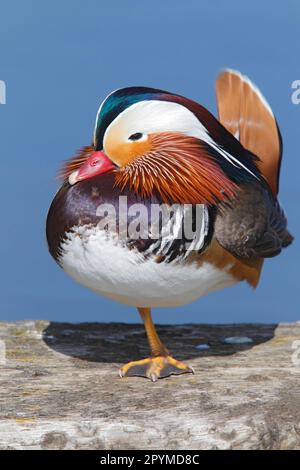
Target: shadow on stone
[{"x": 119, "y": 342}]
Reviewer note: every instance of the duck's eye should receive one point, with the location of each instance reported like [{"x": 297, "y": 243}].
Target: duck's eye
[{"x": 136, "y": 136}]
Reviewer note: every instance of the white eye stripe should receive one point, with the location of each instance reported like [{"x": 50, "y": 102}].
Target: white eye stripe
[{"x": 154, "y": 116}]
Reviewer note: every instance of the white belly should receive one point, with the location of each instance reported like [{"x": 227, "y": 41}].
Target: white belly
[{"x": 107, "y": 267}]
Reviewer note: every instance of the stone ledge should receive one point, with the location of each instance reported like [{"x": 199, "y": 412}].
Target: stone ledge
[{"x": 60, "y": 388}]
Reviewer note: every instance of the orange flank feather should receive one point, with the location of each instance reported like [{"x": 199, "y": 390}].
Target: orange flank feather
[
  {"x": 75, "y": 162},
  {"x": 240, "y": 268},
  {"x": 178, "y": 169}
]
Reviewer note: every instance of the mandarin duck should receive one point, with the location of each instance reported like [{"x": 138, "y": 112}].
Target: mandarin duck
[{"x": 156, "y": 149}]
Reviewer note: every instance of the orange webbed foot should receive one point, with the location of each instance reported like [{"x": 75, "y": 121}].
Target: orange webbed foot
[{"x": 155, "y": 368}]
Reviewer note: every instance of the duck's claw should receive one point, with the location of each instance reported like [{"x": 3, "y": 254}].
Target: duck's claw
[{"x": 155, "y": 368}]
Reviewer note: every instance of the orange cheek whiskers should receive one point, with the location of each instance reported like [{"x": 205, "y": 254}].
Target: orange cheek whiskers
[{"x": 179, "y": 170}]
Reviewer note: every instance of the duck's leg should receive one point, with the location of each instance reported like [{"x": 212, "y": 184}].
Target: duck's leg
[{"x": 160, "y": 364}]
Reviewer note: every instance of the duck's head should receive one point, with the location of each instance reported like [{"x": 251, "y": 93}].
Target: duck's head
[{"x": 162, "y": 143}]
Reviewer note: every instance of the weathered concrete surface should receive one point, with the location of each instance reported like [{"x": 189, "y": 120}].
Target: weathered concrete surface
[{"x": 60, "y": 388}]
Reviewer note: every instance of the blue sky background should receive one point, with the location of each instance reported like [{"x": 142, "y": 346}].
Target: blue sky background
[{"x": 59, "y": 59}]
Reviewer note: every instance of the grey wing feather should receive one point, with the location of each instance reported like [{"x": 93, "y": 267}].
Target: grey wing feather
[{"x": 253, "y": 224}]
